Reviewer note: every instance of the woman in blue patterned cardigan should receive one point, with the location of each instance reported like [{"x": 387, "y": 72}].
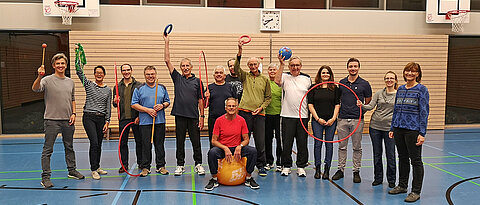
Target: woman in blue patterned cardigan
[{"x": 409, "y": 125}]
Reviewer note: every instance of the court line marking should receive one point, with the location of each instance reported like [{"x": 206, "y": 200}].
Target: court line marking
[
  {"x": 449, "y": 190},
  {"x": 345, "y": 192},
  {"x": 124, "y": 184},
  {"x": 129, "y": 190}
]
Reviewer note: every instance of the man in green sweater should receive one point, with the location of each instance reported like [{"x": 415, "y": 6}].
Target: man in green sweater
[{"x": 255, "y": 98}]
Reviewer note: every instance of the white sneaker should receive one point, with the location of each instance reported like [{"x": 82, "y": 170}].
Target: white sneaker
[
  {"x": 301, "y": 172},
  {"x": 199, "y": 169},
  {"x": 278, "y": 169},
  {"x": 267, "y": 167},
  {"x": 95, "y": 175},
  {"x": 286, "y": 171},
  {"x": 101, "y": 171},
  {"x": 179, "y": 170}
]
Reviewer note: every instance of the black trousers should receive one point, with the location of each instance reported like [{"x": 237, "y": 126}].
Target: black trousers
[
  {"x": 124, "y": 143},
  {"x": 184, "y": 124},
  {"x": 409, "y": 153},
  {"x": 93, "y": 125},
  {"x": 211, "y": 123},
  {"x": 272, "y": 130},
  {"x": 256, "y": 125},
  {"x": 158, "y": 141},
  {"x": 292, "y": 129},
  {"x": 216, "y": 153}
]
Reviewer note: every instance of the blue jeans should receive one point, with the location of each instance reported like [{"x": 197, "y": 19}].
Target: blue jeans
[
  {"x": 377, "y": 136},
  {"x": 317, "y": 147}
]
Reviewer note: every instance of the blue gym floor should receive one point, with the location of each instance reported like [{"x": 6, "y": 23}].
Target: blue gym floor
[{"x": 451, "y": 160}]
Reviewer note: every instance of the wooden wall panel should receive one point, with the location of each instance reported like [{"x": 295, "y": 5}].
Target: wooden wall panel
[{"x": 377, "y": 54}]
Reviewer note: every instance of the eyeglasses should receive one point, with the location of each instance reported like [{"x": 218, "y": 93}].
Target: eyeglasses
[
  {"x": 252, "y": 64},
  {"x": 325, "y": 73},
  {"x": 295, "y": 65}
]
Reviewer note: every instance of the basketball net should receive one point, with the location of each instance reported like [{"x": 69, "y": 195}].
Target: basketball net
[
  {"x": 458, "y": 18},
  {"x": 67, "y": 8}
]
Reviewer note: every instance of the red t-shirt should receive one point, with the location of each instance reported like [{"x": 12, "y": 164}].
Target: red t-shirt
[{"x": 230, "y": 132}]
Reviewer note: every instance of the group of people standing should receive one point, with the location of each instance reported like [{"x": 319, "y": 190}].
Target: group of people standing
[{"x": 245, "y": 103}]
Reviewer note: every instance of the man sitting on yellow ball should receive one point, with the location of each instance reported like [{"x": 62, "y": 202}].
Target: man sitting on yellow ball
[{"x": 230, "y": 135}]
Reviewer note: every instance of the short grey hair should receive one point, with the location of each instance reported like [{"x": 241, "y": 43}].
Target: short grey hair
[
  {"x": 221, "y": 67},
  {"x": 231, "y": 98},
  {"x": 59, "y": 56},
  {"x": 293, "y": 58}
]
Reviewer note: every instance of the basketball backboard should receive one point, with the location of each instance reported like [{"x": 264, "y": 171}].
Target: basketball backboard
[
  {"x": 86, "y": 8},
  {"x": 437, "y": 9}
]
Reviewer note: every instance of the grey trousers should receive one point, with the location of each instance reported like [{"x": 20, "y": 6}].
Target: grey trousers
[
  {"x": 52, "y": 128},
  {"x": 344, "y": 128}
]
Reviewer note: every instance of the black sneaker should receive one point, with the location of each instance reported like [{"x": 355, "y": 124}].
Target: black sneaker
[
  {"x": 356, "y": 177},
  {"x": 338, "y": 175},
  {"x": 251, "y": 183},
  {"x": 376, "y": 183},
  {"x": 75, "y": 174},
  {"x": 211, "y": 184},
  {"x": 46, "y": 183},
  {"x": 121, "y": 170}
]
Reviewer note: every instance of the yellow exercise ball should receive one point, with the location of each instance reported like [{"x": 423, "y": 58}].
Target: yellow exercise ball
[{"x": 232, "y": 173}]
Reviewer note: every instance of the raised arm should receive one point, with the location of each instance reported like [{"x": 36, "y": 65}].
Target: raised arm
[
  {"x": 278, "y": 75},
  {"x": 36, "y": 84},
  {"x": 241, "y": 74},
  {"x": 167, "y": 53}
]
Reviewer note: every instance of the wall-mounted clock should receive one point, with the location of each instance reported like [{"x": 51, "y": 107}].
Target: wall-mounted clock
[{"x": 270, "y": 20}]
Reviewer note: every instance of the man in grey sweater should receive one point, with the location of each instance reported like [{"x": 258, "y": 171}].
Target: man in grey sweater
[{"x": 59, "y": 95}]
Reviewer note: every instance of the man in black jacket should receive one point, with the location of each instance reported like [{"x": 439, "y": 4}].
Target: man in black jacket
[{"x": 125, "y": 90}]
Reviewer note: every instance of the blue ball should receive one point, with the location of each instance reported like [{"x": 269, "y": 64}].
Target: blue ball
[{"x": 285, "y": 52}]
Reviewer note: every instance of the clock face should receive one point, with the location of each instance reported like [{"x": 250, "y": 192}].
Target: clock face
[{"x": 270, "y": 20}]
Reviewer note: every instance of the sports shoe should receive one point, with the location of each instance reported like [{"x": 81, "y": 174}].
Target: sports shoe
[
  {"x": 144, "y": 172},
  {"x": 46, "y": 183},
  {"x": 251, "y": 183},
  {"x": 398, "y": 190},
  {"x": 75, "y": 174},
  {"x": 338, "y": 175},
  {"x": 301, "y": 172},
  {"x": 95, "y": 175},
  {"x": 318, "y": 172},
  {"x": 262, "y": 172},
  {"x": 179, "y": 170},
  {"x": 286, "y": 171},
  {"x": 121, "y": 170},
  {"x": 268, "y": 167},
  {"x": 412, "y": 197},
  {"x": 199, "y": 169},
  {"x": 278, "y": 169},
  {"x": 101, "y": 171},
  {"x": 212, "y": 183},
  {"x": 376, "y": 183},
  {"x": 356, "y": 177},
  {"x": 162, "y": 171},
  {"x": 326, "y": 172}
]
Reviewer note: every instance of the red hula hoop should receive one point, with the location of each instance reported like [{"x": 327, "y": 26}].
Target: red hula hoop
[
  {"x": 119, "y": 155},
  {"x": 334, "y": 141},
  {"x": 205, "y": 101},
  {"x": 117, "y": 97},
  {"x": 245, "y": 36}
]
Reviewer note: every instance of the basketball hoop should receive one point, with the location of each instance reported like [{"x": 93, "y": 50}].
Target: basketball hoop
[
  {"x": 67, "y": 8},
  {"x": 458, "y": 18}
]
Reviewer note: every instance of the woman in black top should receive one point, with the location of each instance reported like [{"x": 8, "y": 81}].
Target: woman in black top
[{"x": 324, "y": 104}]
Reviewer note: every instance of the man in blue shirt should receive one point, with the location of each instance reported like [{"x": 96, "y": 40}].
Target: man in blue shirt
[
  {"x": 348, "y": 118},
  {"x": 143, "y": 100}
]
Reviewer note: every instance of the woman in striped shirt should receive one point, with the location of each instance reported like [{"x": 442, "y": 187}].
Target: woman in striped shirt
[{"x": 96, "y": 115}]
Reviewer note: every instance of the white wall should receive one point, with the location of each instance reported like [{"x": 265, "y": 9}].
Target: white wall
[{"x": 230, "y": 20}]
